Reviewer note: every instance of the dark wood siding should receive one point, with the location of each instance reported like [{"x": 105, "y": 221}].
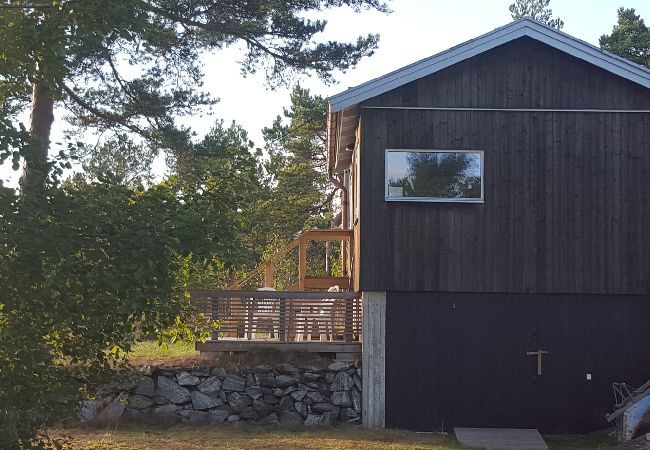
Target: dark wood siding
[
  {"x": 566, "y": 193},
  {"x": 458, "y": 359}
]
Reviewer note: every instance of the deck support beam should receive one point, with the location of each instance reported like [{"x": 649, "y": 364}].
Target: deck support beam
[{"x": 374, "y": 359}]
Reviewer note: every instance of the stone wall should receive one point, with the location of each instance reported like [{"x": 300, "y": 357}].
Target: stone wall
[{"x": 322, "y": 393}]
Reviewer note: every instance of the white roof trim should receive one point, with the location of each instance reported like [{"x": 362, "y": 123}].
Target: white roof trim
[{"x": 524, "y": 27}]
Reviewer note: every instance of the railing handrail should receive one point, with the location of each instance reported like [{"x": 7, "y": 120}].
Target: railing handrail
[{"x": 316, "y": 295}]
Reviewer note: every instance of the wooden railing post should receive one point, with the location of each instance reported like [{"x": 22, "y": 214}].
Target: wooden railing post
[
  {"x": 269, "y": 274},
  {"x": 283, "y": 320},
  {"x": 349, "y": 318},
  {"x": 214, "y": 313},
  {"x": 302, "y": 263}
]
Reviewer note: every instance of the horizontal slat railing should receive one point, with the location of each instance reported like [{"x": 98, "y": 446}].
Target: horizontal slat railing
[{"x": 287, "y": 316}]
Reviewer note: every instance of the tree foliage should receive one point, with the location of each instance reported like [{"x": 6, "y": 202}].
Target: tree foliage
[
  {"x": 135, "y": 66},
  {"x": 630, "y": 38},
  {"x": 537, "y": 10}
]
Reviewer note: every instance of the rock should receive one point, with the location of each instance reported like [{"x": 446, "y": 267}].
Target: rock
[
  {"x": 271, "y": 399},
  {"x": 284, "y": 368},
  {"x": 357, "y": 383},
  {"x": 160, "y": 400},
  {"x": 316, "y": 397},
  {"x": 196, "y": 417},
  {"x": 342, "y": 382},
  {"x": 355, "y": 396},
  {"x": 313, "y": 420},
  {"x": 301, "y": 408},
  {"x": 219, "y": 415},
  {"x": 287, "y": 380},
  {"x": 328, "y": 419},
  {"x": 249, "y": 413},
  {"x": 298, "y": 395},
  {"x": 210, "y": 386},
  {"x": 202, "y": 401},
  {"x": 329, "y": 377},
  {"x": 145, "y": 386},
  {"x": 201, "y": 372},
  {"x": 262, "y": 409},
  {"x": 219, "y": 372},
  {"x": 89, "y": 409},
  {"x": 309, "y": 377},
  {"x": 139, "y": 402},
  {"x": 172, "y": 391},
  {"x": 239, "y": 402},
  {"x": 187, "y": 379},
  {"x": 255, "y": 392},
  {"x": 341, "y": 398},
  {"x": 233, "y": 383},
  {"x": 267, "y": 380},
  {"x": 351, "y": 371},
  {"x": 250, "y": 380},
  {"x": 290, "y": 419},
  {"x": 112, "y": 413},
  {"x": 167, "y": 411},
  {"x": 148, "y": 370},
  {"x": 338, "y": 365},
  {"x": 348, "y": 415},
  {"x": 324, "y": 407},
  {"x": 271, "y": 419},
  {"x": 233, "y": 418},
  {"x": 289, "y": 390},
  {"x": 223, "y": 396},
  {"x": 324, "y": 389},
  {"x": 262, "y": 368},
  {"x": 286, "y": 404}
]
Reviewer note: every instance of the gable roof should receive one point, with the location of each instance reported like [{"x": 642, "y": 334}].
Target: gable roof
[{"x": 520, "y": 28}]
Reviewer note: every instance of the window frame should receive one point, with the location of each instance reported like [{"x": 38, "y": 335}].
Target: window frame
[{"x": 433, "y": 199}]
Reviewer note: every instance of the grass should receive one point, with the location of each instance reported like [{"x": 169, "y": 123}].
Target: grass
[
  {"x": 236, "y": 437},
  {"x": 151, "y": 349}
]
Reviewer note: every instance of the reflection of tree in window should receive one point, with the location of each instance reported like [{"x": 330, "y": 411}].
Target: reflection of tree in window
[{"x": 442, "y": 175}]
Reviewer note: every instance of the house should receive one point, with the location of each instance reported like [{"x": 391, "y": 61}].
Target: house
[{"x": 498, "y": 194}]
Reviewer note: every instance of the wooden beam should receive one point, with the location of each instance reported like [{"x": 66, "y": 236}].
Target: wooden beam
[
  {"x": 269, "y": 274},
  {"x": 247, "y": 346},
  {"x": 210, "y": 293},
  {"x": 335, "y": 234},
  {"x": 326, "y": 282},
  {"x": 302, "y": 263}
]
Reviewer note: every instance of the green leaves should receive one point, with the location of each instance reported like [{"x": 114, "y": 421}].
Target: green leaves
[{"x": 630, "y": 38}]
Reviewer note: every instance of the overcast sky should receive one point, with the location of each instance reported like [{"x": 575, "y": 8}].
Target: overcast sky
[{"x": 416, "y": 29}]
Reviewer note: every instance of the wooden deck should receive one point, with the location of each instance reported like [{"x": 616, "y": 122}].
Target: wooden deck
[{"x": 316, "y": 322}]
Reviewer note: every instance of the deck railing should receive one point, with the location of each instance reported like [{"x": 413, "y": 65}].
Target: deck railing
[{"x": 283, "y": 316}]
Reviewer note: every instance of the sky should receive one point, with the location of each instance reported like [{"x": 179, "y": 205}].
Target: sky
[{"x": 415, "y": 30}]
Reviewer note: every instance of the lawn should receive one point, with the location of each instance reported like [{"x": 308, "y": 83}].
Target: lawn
[{"x": 242, "y": 437}]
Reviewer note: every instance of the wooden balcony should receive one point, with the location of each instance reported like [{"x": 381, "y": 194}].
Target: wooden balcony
[
  {"x": 319, "y": 322},
  {"x": 304, "y": 281}
]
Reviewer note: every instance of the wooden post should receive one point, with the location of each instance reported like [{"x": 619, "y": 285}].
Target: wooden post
[
  {"x": 283, "y": 320},
  {"x": 349, "y": 310},
  {"x": 215, "y": 316},
  {"x": 269, "y": 274},
  {"x": 302, "y": 263}
]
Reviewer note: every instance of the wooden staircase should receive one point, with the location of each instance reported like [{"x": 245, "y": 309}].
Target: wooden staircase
[{"x": 306, "y": 282}]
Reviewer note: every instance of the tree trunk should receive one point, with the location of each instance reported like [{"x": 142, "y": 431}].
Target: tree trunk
[{"x": 35, "y": 169}]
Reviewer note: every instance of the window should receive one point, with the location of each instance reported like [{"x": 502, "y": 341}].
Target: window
[{"x": 434, "y": 175}]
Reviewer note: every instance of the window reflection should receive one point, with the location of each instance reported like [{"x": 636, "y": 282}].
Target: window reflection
[{"x": 434, "y": 174}]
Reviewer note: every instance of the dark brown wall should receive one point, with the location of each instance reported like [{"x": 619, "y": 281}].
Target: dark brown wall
[
  {"x": 566, "y": 194},
  {"x": 456, "y": 360}
]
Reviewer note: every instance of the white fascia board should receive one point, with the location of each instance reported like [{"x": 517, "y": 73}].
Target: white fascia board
[{"x": 500, "y": 36}]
